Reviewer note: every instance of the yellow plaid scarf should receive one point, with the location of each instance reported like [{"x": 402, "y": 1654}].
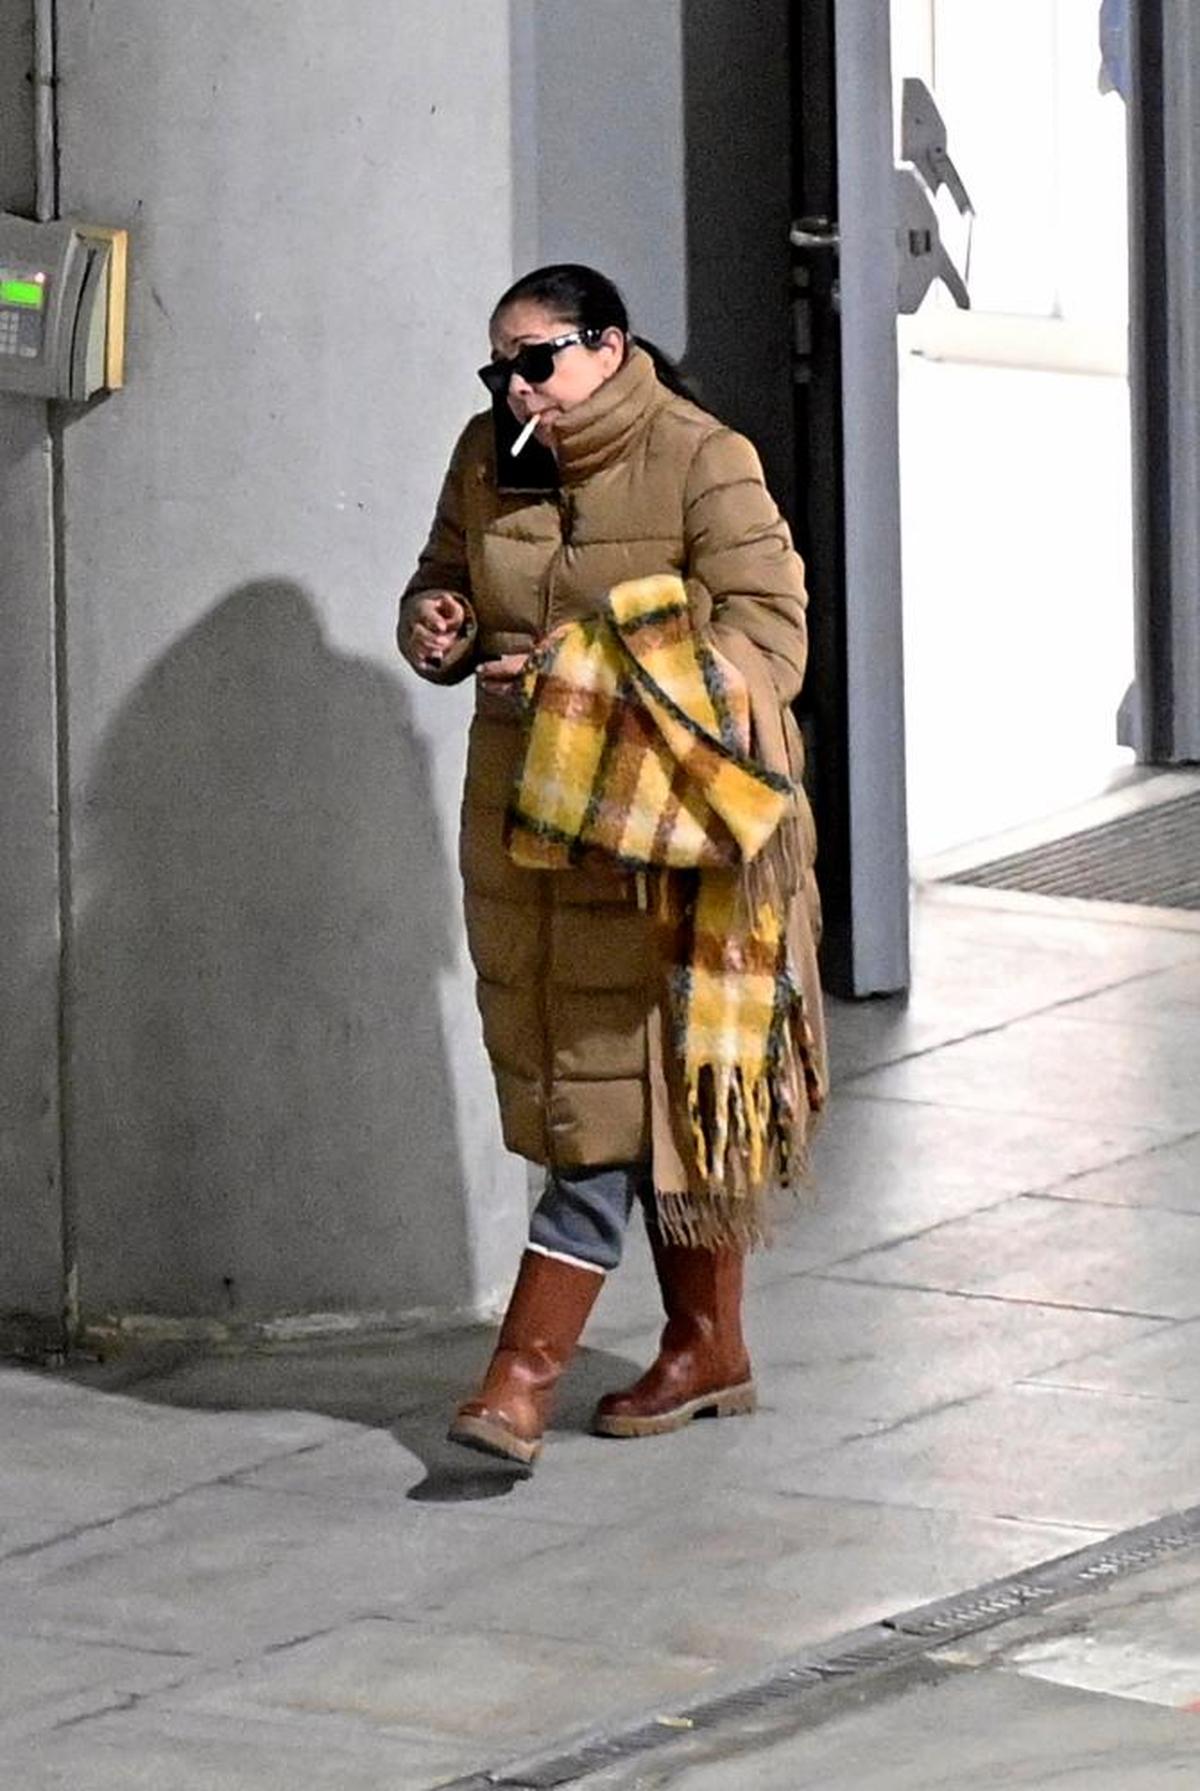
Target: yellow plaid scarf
[{"x": 637, "y": 751}]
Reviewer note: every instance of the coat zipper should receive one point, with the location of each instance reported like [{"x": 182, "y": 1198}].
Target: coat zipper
[
  {"x": 566, "y": 521},
  {"x": 566, "y": 518}
]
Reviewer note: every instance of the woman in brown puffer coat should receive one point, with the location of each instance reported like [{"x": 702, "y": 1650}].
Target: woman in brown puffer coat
[{"x": 624, "y": 477}]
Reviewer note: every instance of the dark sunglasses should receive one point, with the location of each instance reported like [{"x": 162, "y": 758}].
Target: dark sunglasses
[{"x": 534, "y": 362}]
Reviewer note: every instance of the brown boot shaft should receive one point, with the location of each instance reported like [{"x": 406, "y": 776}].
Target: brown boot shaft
[
  {"x": 702, "y": 1364},
  {"x": 546, "y": 1314}
]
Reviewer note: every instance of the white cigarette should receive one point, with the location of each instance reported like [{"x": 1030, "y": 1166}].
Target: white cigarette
[{"x": 524, "y": 436}]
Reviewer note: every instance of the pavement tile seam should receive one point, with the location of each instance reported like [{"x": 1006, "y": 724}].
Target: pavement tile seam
[
  {"x": 1153, "y": 1328},
  {"x": 1048, "y": 1197},
  {"x": 1152, "y": 975},
  {"x": 512, "y": 1517},
  {"x": 978, "y": 1032},
  {"x": 113, "y": 1707},
  {"x": 960, "y": 1293},
  {"x": 1119, "y": 1206},
  {"x": 227, "y": 1699},
  {"x": 889, "y": 1426},
  {"x": 233, "y": 1752},
  {"x": 1053, "y": 1526},
  {"x": 423, "y": 1619},
  {"x": 327, "y": 1726},
  {"x": 566, "y": 1529},
  {"x": 1136, "y": 1156},
  {"x": 66, "y": 1637},
  {"x": 63, "y": 1713},
  {"x": 144, "y": 1507},
  {"x": 1057, "y": 1386},
  {"x": 1155, "y": 1134},
  {"x": 987, "y": 1205}
]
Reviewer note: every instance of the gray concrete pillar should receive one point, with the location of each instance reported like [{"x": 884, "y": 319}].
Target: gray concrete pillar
[{"x": 278, "y": 1097}]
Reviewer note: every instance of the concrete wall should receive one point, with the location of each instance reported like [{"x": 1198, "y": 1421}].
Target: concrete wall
[
  {"x": 602, "y": 149},
  {"x": 656, "y": 144},
  {"x": 29, "y": 1192},
  {"x": 278, "y": 1097}
]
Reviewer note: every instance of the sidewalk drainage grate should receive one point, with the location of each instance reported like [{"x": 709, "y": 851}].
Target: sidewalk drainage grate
[
  {"x": 892, "y": 1643},
  {"x": 1081, "y": 1572},
  {"x": 1149, "y": 859}
]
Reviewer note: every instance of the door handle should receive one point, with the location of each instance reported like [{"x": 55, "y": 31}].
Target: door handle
[{"x": 814, "y": 233}]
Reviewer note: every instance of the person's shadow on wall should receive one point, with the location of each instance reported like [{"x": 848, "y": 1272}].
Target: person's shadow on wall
[{"x": 263, "y": 1114}]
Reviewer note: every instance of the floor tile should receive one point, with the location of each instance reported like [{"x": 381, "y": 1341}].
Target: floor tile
[
  {"x": 73, "y": 1456},
  {"x": 1167, "y": 1175},
  {"x": 1164, "y": 1364},
  {"x": 987, "y": 1729},
  {"x": 874, "y": 1354},
  {"x": 1119, "y": 1259},
  {"x": 1160, "y": 998},
  {"x": 226, "y": 1571},
  {"x": 43, "y": 1673},
  {"x": 1057, "y": 1455},
  {"x": 977, "y": 966},
  {"x": 1053, "y": 1065},
  {"x": 743, "y": 1576},
  {"x": 503, "y": 1688},
  {"x": 147, "y": 1750},
  {"x": 885, "y": 1168}
]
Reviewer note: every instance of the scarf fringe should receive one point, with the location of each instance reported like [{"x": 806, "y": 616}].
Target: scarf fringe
[
  {"x": 716, "y": 1224},
  {"x": 749, "y": 1137}
]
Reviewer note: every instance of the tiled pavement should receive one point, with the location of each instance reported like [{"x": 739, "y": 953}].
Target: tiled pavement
[
  {"x": 975, "y": 1353},
  {"x": 1101, "y": 1690}
]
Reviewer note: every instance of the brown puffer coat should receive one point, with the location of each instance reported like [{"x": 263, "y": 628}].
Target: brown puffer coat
[{"x": 566, "y": 961}]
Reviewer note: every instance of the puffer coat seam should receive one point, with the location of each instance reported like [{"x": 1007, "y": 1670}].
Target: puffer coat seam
[{"x": 712, "y": 491}]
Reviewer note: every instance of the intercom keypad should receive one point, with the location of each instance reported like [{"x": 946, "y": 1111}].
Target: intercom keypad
[{"x": 22, "y": 311}]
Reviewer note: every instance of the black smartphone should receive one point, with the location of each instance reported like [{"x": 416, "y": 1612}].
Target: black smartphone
[{"x": 534, "y": 469}]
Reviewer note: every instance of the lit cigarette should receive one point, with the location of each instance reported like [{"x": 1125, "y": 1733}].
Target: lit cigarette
[{"x": 524, "y": 436}]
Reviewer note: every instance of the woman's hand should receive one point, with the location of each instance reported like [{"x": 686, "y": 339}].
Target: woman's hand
[
  {"x": 501, "y": 679},
  {"x": 429, "y": 626}
]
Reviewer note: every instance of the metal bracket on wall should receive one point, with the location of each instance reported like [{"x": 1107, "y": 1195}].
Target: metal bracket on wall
[
  {"x": 923, "y": 142},
  {"x": 926, "y": 167},
  {"x": 923, "y": 256}
]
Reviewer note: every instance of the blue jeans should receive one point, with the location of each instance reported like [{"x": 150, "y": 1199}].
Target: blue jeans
[{"x": 584, "y": 1213}]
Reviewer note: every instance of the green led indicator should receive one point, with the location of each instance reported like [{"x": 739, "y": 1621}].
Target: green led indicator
[{"x": 27, "y": 293}]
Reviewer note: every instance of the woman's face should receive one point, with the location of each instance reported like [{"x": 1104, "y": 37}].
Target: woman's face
[{"x": 578, "y": 371}]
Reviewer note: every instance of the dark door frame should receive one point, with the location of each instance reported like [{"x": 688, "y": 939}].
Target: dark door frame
[
  {"x": 1164, "y": 374},
  {"x": 848, "y": 501}
]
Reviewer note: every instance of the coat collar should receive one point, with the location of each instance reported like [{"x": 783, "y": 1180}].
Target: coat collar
[{"x": 591, "y": 435}]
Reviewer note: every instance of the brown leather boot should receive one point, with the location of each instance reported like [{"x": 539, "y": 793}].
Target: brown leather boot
[
  {"x": 548, "y": 1310},
  {"x": 702, "y": 1365}
]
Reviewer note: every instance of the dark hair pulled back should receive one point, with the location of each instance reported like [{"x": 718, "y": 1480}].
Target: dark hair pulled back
[{"x": 588, "y": 300}]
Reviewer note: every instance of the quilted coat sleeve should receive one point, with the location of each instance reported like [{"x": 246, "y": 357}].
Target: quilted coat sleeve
[
  {"x": 739, "y": 549},
  {"x": 442, "y": 563}
]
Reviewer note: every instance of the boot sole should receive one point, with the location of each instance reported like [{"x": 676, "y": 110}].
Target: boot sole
[
  {"x": 727, "y": 1402},
  {"x": 490, "y": 1438}
]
